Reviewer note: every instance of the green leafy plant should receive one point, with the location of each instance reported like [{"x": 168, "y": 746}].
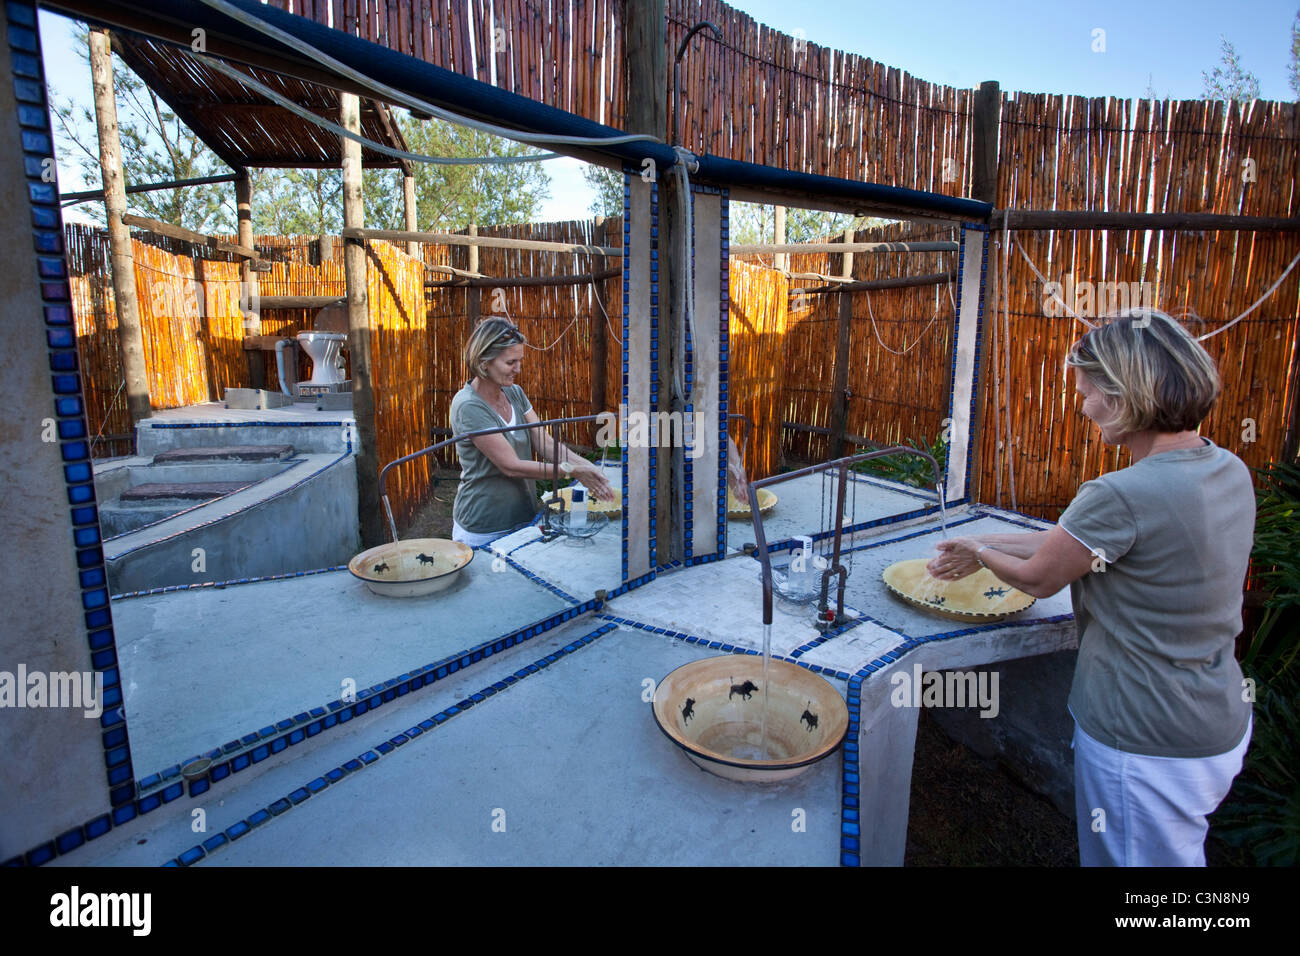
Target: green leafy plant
[
  {"x": 1275, "y": 645},
  {"x": 909, "y": 469},
  {"x": 1262, "y": 812}
]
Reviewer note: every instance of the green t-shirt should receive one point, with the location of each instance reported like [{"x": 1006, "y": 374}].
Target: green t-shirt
[
  {"x": 489, "y": 501},
  {"x": 1156, "y": 673}
]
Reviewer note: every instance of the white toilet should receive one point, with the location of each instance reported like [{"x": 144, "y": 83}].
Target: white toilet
[{"x": 325, "y": 351}]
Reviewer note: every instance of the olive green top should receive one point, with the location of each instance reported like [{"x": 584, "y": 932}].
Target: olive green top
[
  {"x": 1156, "y": 673},
  {"x": 488, "y": 500}
]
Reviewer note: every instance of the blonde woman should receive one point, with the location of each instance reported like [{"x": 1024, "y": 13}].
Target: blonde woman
[
  {"x": 1155, "y": 555},
  {"x": 497, "y": 492}
]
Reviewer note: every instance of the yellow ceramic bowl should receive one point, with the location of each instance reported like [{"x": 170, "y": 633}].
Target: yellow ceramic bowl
[
  {"x": 738, "y": 508},
  {"x": 977, "y": 597},
  {"x": 411, "y": 568},
  {"x": 712, "y": 709},
  {"x": 594, "y": 506}
]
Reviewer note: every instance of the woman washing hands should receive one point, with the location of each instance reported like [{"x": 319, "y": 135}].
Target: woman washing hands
[
  {"x": 497, "y": 492},
  {"x": 1155, "y": 556}
]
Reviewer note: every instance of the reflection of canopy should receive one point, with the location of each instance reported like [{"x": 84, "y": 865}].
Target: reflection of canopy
[
  {"x": 243, "y": 127},
  {"x": 175, "y": 21}
]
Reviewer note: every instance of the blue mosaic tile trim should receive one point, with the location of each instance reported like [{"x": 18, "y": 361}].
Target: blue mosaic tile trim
[
  {"x": 851, "y": 781},
  {"x": 721, "y": 645},
  {"x": 892, "y": 486},
  {"x": 833, "y": 633},
  {"x": 231, "y": 514},
  {"x": 257, "y": 745},
  {"x": 243, "y": 424},
  {"x": 58, "y": 330},
  {"x": 537, "y": 578},
  {"x": 868, "y": 545},
  {"x": 359, "y": 763},
  {"x": 788, "y": 543},
  {"x": 227, "y": 584},
  {"x": 724, "y": 359}
]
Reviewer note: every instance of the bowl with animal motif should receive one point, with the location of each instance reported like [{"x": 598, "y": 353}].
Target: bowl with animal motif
[
  {"x": 978, "y": 598},
  {"x": 734, "y": 722},
  {"x": 411, "y": 568}
]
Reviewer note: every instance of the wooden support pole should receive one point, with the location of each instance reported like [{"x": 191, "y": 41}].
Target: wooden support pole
[
  {"x": 846, "y": 260},
  {"x": 354, "y": 271},
  {"x": 645, "y": 65},
  {"x": 986, "y": 123},
  {"x": 248, "y": 300},
  {"x": 129, "y": 336},
  {"x": 473, "y": 250},
  {"x": 408, "y": 200},
  {"x": 780, "y": 260},
  {"x": 840, "y": 382}
]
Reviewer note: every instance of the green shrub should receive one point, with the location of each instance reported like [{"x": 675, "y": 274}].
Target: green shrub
[
  {"x": 1274, "y": 646},
  {"x": 909, "y": 469},
  {"x": 1262, "y": 812}
]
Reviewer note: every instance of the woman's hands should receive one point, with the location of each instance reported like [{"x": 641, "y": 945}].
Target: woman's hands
[
  {"x": 594, "y": 480},
  {"x": 957, "y": 558},
  {"x": 737, "y": 481}
]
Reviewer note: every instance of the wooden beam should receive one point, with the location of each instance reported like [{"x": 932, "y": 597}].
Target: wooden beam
[
  {"x": 473, "y": 250},
  {"x": 449, "y": 239},
  {"x": 354, "y": 271},
  {"x": 396, "y": 140},
  {"x": 129, "y": 336},
  {"x": 871, "y": 285},
  {"x": 761, "y": 247},
  {"x": 488, "y": 282},
  {"x": 188, "y": 235},
  {"x": 1042, "y": 219},
  {"x": 846, "y": 260},
  {"x": 151, "y": 187},
  {"x": 299, "y": 301}
]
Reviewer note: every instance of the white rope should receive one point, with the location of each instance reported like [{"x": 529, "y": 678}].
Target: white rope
[
  {"x": 1043, "y": 279},
  {"x": 325, "y": 124},
  {"x": 392, "y": 95},
  {"x": 920, "y": 335},
  {"x": 608, "y": 324},
  {"x": 1258, "y": 302}
]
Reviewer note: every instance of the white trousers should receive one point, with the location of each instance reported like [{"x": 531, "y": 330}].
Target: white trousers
[
  {"x": 1134, "y": 810},
  {"x": 471, "y": 538}
]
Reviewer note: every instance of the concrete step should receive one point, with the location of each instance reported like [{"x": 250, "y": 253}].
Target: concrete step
[
  {"x": 225, "y": 453},
  {"x": 182, "y": 490}
]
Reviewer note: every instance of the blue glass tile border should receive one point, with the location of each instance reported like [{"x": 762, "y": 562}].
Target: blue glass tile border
[
  {"x": 67, "y": 407},
  {"x": 384, "y": 748}
]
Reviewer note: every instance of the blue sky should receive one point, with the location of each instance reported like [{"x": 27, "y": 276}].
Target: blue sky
[{"x": 1042, "y": 47}]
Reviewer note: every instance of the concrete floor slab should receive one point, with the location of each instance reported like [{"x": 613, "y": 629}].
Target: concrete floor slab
[
  {"x": 203, "y": 667},
  {"x": 571, "y": 769}
]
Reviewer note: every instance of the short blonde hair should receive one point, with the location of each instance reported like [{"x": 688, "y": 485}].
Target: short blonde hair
[
  {"x": 490, "y": 338},
  {"x": 1158, "y": 375}
]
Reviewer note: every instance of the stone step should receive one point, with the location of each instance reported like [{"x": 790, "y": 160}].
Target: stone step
[
  {"x": 225, "y": 453},
  {"x": 182, "y": 490}
]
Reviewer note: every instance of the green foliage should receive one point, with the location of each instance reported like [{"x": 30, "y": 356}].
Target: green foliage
[
  {"x": 1293, "y": 68},
  {"x": 1262, "y": 812},
  {"x": 452, "y": 197},
  {"x": 1228, "y": 81},
  {"x": 156, "y": 146},
  {"x": 1275, "y": 645},
  {"x": 753, "y": 224},
  {"x": 608, "y": 187},
  {"x": 909, "y": 469}
]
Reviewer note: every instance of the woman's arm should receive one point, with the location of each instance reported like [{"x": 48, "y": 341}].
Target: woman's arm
[
  {"x": 591, "y": 476},
  {"x": 1058, "y": 559}
]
